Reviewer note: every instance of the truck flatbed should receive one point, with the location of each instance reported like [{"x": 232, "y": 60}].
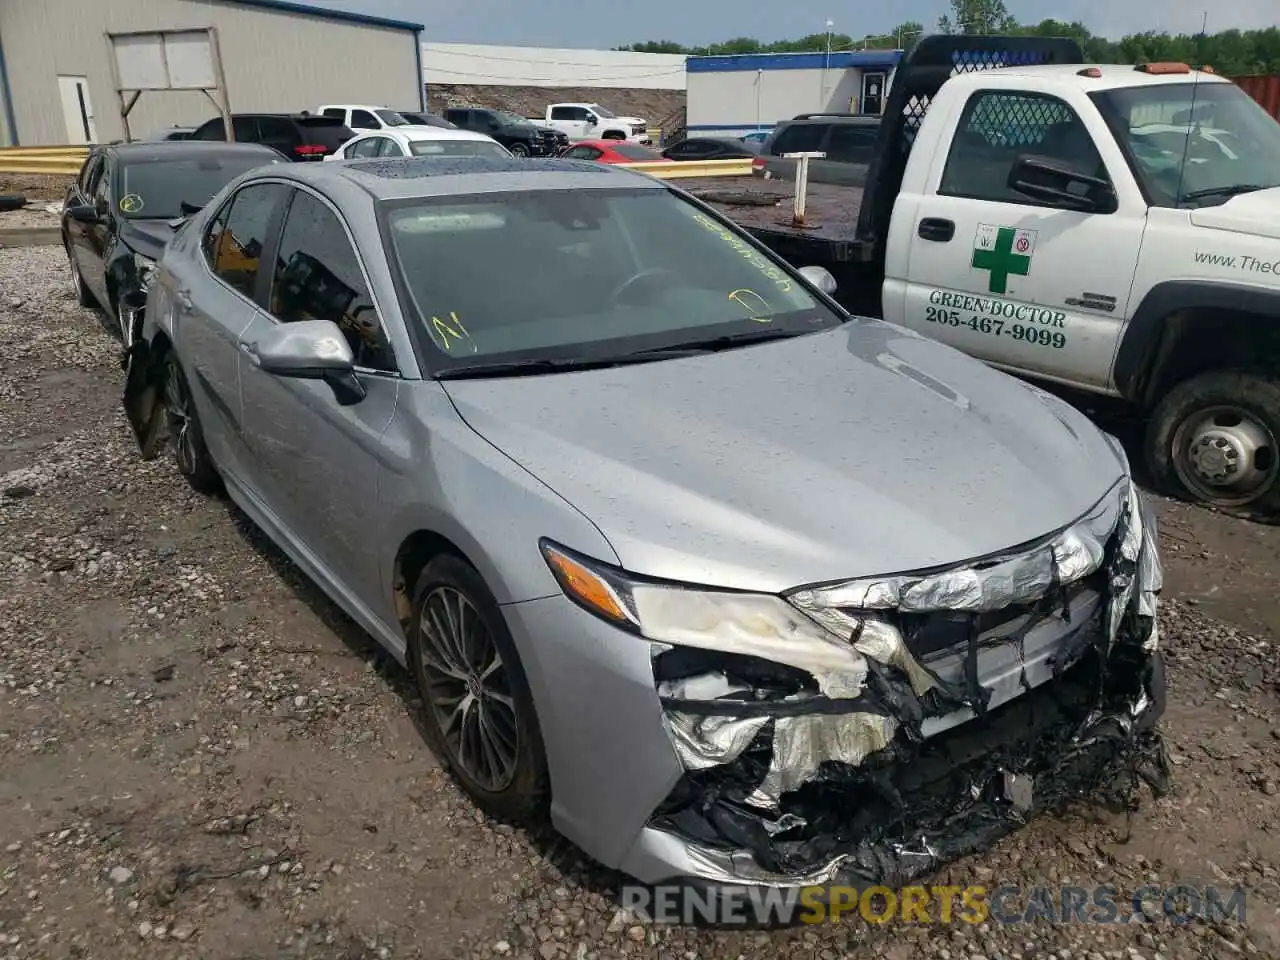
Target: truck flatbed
[{"x": 764, "y": 207}]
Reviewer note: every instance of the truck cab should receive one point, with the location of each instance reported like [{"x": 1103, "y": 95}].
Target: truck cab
[
  {"x": 590, "y": 121},
  {"x": 362, "y": 117},
  {"x": 1110, "y": 228}
]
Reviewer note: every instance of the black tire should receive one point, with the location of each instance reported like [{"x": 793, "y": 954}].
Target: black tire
[
  {"x": 521, "y": 795},
  {"x": 84, "y": 296},
  {"x": 12, "y": 201},
  {"x": 185, "y": 433},
  {"x": 520, "y": 149},
  {"x": 1236, "y": 402}
]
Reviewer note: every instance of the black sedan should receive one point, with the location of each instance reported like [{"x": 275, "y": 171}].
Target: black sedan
[
  {"x": 125, "y": 206},
  {"x": 711, "y": 148}
]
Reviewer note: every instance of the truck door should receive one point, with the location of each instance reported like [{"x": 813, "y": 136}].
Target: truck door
[{"x": 1024, "y": 283}]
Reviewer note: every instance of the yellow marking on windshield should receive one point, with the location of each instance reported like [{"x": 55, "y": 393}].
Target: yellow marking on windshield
[
  {"x": 445, "y": 330},
  {"x": 745, "y": 297},
  {"x": 746, "y": 251},
  {"x": 130, "y": 203}
]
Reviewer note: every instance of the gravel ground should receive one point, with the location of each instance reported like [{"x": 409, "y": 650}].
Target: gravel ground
[
  {"x": 201, "y": 757},
  {"x": 33, "y": 214}
]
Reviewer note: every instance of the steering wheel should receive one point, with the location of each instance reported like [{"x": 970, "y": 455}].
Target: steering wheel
[{"x": 627, "y": 285}]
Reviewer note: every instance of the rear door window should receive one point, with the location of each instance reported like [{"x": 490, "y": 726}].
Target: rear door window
[
  {"x": 366, "y": 148},
  {"x": 235, "y": 240},
  {"x": 364, "y": 120},
  {"x": 279, "y": 133},
  {"x": 244, "y": 129},
  {"x": 799, "y": 138},
  {"x": 851, "y": 144},
  {"x": 389, "y": 148}
]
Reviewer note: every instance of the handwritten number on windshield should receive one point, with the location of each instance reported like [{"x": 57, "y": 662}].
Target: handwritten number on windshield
[{"x": 451, "y": 328}]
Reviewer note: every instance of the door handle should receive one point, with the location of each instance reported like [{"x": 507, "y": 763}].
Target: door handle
[
  {"x": 936, "y": 229},
  {"x": 184, "y": 299}
]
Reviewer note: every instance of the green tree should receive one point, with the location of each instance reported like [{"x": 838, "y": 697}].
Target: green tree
[{"x": 977, "y": 16}]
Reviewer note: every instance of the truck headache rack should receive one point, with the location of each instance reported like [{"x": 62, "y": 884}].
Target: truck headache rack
[{"x": 922, "y": 72}]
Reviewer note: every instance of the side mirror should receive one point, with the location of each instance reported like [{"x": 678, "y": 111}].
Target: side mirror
[
  {"x": 1059, "y": 185},
  {"x": 821, "y": 278},
  {"x": 592, "y": 118},
  {"x": 84, "y": 213},
  {"x": 310, "y": 350}
]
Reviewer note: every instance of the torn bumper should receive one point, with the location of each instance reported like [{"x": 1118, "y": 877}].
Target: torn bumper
[{"x": 962, "y": 703}]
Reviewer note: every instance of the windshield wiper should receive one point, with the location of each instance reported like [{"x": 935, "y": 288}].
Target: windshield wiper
[
  {"x": 523, "y": 368},
  {"x": 712, "y": 344},
  {"x": 1234, "y": 190}
]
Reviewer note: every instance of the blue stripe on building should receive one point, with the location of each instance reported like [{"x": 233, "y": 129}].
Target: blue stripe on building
[{"x": 839, "y": 60}]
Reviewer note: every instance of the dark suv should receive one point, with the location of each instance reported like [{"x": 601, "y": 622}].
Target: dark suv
[
  {"x": 299, "y": 136},
  {"x": 518, "y": 134},
  {"x": 848, "y": 142}
]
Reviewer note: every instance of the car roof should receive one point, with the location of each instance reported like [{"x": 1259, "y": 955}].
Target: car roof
[
  {"x": 722, "y": 141},
  {"x": 352, "y": 106},
  {"x": 179, "y": 149},
  {"x": 424, "y": 132},
  {"x": 407, "y": 178}
]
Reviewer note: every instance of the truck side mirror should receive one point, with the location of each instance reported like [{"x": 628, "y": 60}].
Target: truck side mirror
[
  {"x": 592, "y": 118},
  {"x": 1054, "y": 183}
]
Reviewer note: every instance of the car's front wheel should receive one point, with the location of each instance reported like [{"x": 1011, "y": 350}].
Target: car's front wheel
[
  {"x": 519, "y": 149},
  {"x": 185, "y": 433},
  {"x": 1216, "y": 437},
  {"x": 480, "y": 717}
]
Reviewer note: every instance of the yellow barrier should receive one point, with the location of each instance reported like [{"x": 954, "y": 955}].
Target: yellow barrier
[
  {"x": 676, "y": 170},
  {"x": 60, "y": 161}
]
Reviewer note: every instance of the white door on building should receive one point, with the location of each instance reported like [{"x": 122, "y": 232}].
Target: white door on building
[{"x": 77, "y": 110}]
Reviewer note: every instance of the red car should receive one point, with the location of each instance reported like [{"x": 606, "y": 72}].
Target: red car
[{"x": 611, "y": 151}]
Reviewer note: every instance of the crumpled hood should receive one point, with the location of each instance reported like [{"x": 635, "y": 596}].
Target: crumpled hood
[
  {"x": 147, "y": 237},
  {"x": 1256, "y": 214},
  {"x": 851, "y": 452}
]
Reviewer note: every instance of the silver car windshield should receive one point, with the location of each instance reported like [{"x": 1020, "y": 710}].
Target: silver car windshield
[
  {"x": 1196, "y": 144},
  {"x": 588, "y": 274}
]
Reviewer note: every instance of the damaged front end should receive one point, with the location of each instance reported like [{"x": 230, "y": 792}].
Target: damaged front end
[{"x": 962, "y": 702}]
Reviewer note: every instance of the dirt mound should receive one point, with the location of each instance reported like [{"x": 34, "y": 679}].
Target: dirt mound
[{"x": 655, "y": 106}]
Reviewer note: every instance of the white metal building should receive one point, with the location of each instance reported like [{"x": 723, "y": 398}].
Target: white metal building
[
  {"x": 735, "y": 94},
  {"x": 57, "y": 83},
  {"x": 475, "y": 64}
]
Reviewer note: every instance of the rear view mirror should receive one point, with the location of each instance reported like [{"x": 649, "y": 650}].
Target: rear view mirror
[
  {"x": 1058, "y": 185},
  {"x": 83, "y": 213},
  {"x": 309, "y": 350},
  {"x": 821, "y": 278}
]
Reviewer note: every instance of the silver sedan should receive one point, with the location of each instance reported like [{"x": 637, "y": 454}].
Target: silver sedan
[{"x": 734, "y": 586}]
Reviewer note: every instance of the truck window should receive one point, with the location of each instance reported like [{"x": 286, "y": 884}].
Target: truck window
[
  {"x": 455, "y": 115},
  {"x": 568, "y": 113},
  {"x": 799, "y": 138},
  {"x": 336, "y": 112},
  {"x": 997, "y": 127},
  {"x": 1193, "y": 143},
  {"x": 364, "y": 120}
]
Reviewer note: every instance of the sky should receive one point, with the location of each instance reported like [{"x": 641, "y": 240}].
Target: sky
[{"x": 602, "y": 24}]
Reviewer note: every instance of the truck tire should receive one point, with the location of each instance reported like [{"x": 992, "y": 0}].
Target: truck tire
[
  {"x": 1215, "y": 438},
  {"x": 519, "y": 149}
]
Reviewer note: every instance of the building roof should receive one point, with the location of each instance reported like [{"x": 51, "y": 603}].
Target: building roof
[
  {"x": 836, "y": 60},
  {"x": 328, "y": 13}
]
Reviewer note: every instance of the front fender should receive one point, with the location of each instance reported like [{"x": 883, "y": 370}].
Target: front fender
[{"x": 1141, "y": 342}]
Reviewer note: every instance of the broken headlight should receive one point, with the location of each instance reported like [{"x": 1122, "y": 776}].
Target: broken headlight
[
  {"x": 755, "y": 624},
  {"x": 146, "y": 270}
]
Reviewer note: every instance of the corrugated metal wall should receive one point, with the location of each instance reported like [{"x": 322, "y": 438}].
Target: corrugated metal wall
[
  {"x": 473, "y": 64},
  {"x": 1264, "y": 89},
  {"x": 739, "y": 100},
  {"x": 274, "y": 61}
]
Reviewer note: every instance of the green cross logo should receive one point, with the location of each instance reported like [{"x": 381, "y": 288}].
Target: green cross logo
[{"x": 1001, "y": 261}]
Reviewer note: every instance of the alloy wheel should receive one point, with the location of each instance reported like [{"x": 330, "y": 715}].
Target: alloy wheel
[
  {"x": 177, "y": 401},
  {"x": 467, "y": 689}
]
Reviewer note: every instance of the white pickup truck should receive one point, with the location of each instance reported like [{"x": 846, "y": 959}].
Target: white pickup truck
[
  {"x": 590, "y": 121},
  {"x": 1114, "y": 229}
]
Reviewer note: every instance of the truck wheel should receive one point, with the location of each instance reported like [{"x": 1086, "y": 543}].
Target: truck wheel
[
  {"x": 519, "y": 149},
  {"x": 1215, "y": 438}
]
